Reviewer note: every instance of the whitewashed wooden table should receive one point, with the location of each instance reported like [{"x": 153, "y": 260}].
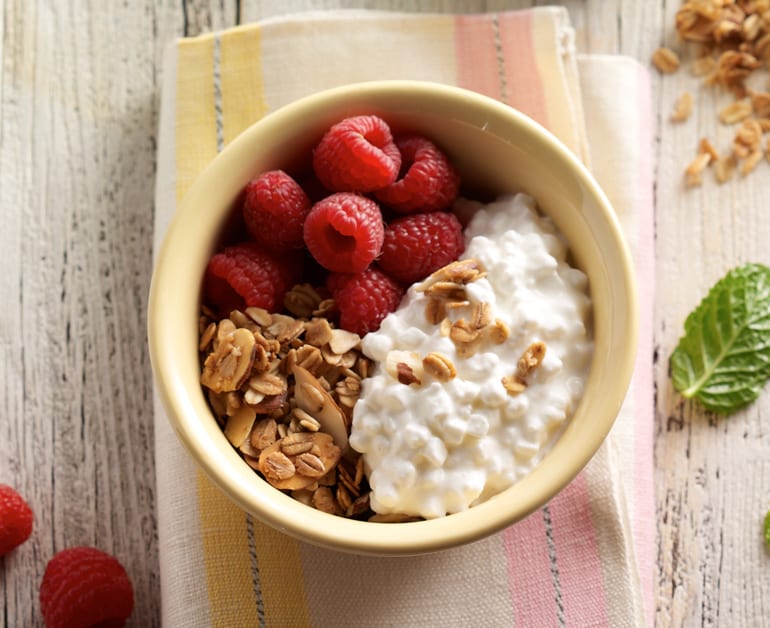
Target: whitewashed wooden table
[{"x": 79, "y": 85}]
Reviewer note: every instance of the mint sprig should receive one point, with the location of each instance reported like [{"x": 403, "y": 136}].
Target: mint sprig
[{"x": 723, "y": 359}]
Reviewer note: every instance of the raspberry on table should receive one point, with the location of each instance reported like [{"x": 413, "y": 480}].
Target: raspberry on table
[
  {"x": 16, "y": 519},
  {"x": 429, "y": 181},
  {"x": 419, "y": 244},
  {"x": 364, "y": 299},
  {"x": 344, "y": 232},
  {"x": 84, "y": 586},
  {"x": 244, "y": 275},
  {"x": 274, "y": 209},
  {"x": 357, "y": 155}
]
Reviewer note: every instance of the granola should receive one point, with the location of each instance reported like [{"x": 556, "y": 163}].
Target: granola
[
  {"x": 733, "y": 40},
  {"x": 283, "y": 389}
]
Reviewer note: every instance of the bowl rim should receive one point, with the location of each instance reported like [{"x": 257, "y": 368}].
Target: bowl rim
[{"x": 282, "y": 511}]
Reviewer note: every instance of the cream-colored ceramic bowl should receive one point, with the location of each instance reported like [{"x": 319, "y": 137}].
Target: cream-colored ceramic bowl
[{"x": 494, "y": 147}]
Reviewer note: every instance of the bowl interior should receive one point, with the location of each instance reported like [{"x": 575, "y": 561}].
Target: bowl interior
[{"x": 497, "y": 149}]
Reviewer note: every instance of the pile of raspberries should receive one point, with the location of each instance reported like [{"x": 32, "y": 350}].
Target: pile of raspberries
[{"x": 373, "y": 219}]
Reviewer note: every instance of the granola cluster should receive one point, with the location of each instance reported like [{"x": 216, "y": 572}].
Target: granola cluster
[
  {"x": 733, "y": 39},
  {"x": 283, "y": 389},
  {"x": 446, "y": 291}
]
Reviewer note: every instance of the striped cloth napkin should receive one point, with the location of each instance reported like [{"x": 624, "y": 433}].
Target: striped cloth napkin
[{"x": 585, "y": 559}]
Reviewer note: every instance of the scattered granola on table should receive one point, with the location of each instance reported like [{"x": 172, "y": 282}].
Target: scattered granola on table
[{"x": 732, "y": 43}]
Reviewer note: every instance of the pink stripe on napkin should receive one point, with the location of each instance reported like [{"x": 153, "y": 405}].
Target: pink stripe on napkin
[
  {"x": 530, "y": 578},
  {"x": 644, "y": 512}
]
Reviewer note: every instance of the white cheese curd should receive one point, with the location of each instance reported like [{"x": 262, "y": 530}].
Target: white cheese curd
[{"x": 436, "y": 447}]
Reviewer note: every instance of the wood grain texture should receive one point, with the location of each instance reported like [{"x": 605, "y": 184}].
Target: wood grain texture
[{"x": 78, "y": 117}]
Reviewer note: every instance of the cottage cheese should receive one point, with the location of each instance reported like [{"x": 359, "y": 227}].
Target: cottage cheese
[{"x": 440, "y": 447}]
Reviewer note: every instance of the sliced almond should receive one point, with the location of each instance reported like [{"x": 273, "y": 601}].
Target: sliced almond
[
  {"x": 318, "y": 332},
  {"x": 324, "y": 500},
  {"x": 343, "y": 341},
  {"x": 239, "y": 425},
  {"x": 404, "y": 366},
  {"x": 313, "y": 399}
]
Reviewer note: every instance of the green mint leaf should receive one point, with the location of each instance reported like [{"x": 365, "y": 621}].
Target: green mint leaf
[
  {"x": 723, "y": 360},
  {"x": 767, "y": 529}
]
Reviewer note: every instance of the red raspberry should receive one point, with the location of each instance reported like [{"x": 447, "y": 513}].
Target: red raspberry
[
  {"x": 364, "y": 299},
  {"x": 357, "y": 155},
  {"x": 344, "y": 232},
  {"x": 243, "y": 275},
  {"x": 429, "y": 182},
  {"x": 417, "y": 245},
  {"x": 84, "y": 586},
  {"x": 274, "y": 209},
  {"x": 15, "y": 519}
]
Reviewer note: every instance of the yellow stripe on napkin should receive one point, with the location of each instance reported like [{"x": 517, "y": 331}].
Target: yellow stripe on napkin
[
  {"x": 252, "y": 571},
  {"x": 196, "y": 139},
  {"x": 242, "y": 85}
]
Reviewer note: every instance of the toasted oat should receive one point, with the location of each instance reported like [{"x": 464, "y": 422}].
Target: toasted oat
[
  {"x": 326, "y": 308},
  {"x": 310, "y": 465},
  {"x": 747, "y": 138},
  {"x": 285, "y": 328},
  {"x": 514, "y": 384},
  {"x": 439, "y": 366},
  {"x": 297, "y": 443},
  {"x": 751, "y": 162},
  {"x": 446, "y": 290},
  {"x": 435, "y": 311},
  {"x": 301, "y": 473},
  {"x": 498, "y": 332},
  {"x": 278, "y": 467},
  {"x": 735, "y": 111},
  {"x": 302, "y": 300},
  {"x": 682, "y": 108},
  {"x": 707, "y": 147},
  {"x": 343, "y": 498},
  {"x": 665, "y": 60},
  {"x": 703, "y": 66},
  {"x": 463, "y": 332},
  {"x": 480, "y": 316},
  {"x": 207, "y": 336},
  {"x": 531, "y": 358},
  {"x": 724, "y": 168},
  {"x": 462, "y": 271},
  {"x": 695, "y": 167},
  {"x": 264, "y": 433}
]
